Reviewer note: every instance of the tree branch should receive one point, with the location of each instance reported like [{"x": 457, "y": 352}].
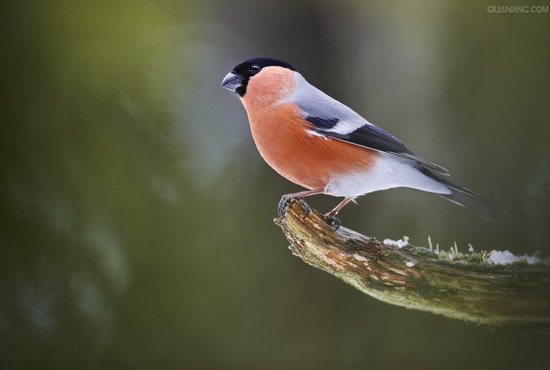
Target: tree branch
[{"x": 514, "y": 296}]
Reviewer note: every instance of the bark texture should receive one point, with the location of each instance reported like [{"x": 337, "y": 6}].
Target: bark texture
[{"x": 470, "y": 287}]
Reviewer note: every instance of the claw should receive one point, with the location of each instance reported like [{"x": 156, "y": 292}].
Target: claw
[
  {"x": 306, "y": 208},
  {"x": 333, "y": 221},
  {"x": 283, "y": 204}
]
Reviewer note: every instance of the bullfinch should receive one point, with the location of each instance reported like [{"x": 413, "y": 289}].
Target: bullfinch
[{"x": 324, "y": 146}]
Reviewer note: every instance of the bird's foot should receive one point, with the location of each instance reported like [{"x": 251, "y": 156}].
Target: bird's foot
[
  {"x": 333, "y": 221},
  {"x": 305, "y": 207},
  {"x": 285, "y": 202}
]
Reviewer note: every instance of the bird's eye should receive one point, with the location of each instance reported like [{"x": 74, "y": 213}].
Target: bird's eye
[{"x": 254, "y": 69}]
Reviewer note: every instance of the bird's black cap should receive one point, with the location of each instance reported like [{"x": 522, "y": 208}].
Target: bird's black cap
[{"x": 243, "y": 68}]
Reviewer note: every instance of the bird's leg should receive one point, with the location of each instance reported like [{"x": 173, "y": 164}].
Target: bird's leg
[
  {"x": 339, "y": 207},
  {"x": 285, "y": 200},
  {"x": 331, "y": 216}
]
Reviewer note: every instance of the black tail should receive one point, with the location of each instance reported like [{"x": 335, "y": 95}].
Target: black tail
[{"x": 466, "y": 198}]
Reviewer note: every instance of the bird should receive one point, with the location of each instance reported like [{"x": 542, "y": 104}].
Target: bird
[{"x": 322, "y": 145}]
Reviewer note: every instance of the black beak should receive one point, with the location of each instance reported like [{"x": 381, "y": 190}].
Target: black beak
[{"x": 232, "y": 82}]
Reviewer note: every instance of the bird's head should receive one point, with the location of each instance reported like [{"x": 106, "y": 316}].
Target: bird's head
[{"x": 267, "y": 72}]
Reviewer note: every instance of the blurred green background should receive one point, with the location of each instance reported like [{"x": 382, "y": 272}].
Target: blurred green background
[{"x": 136, "y": 215}]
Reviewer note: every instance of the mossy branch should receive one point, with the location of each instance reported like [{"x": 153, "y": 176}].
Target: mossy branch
[{"x": 514, "y": 296}]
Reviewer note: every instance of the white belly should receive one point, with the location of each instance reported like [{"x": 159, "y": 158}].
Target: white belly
[{"x": 389, "y": 172}]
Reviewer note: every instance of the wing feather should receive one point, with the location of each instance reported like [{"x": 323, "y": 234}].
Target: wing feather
[
  {"x": 333, "y": 119},
  {"x": 373, "y": 137}
]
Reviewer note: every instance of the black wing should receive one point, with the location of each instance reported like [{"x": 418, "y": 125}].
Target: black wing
[{"x": 373, "y": 137}]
